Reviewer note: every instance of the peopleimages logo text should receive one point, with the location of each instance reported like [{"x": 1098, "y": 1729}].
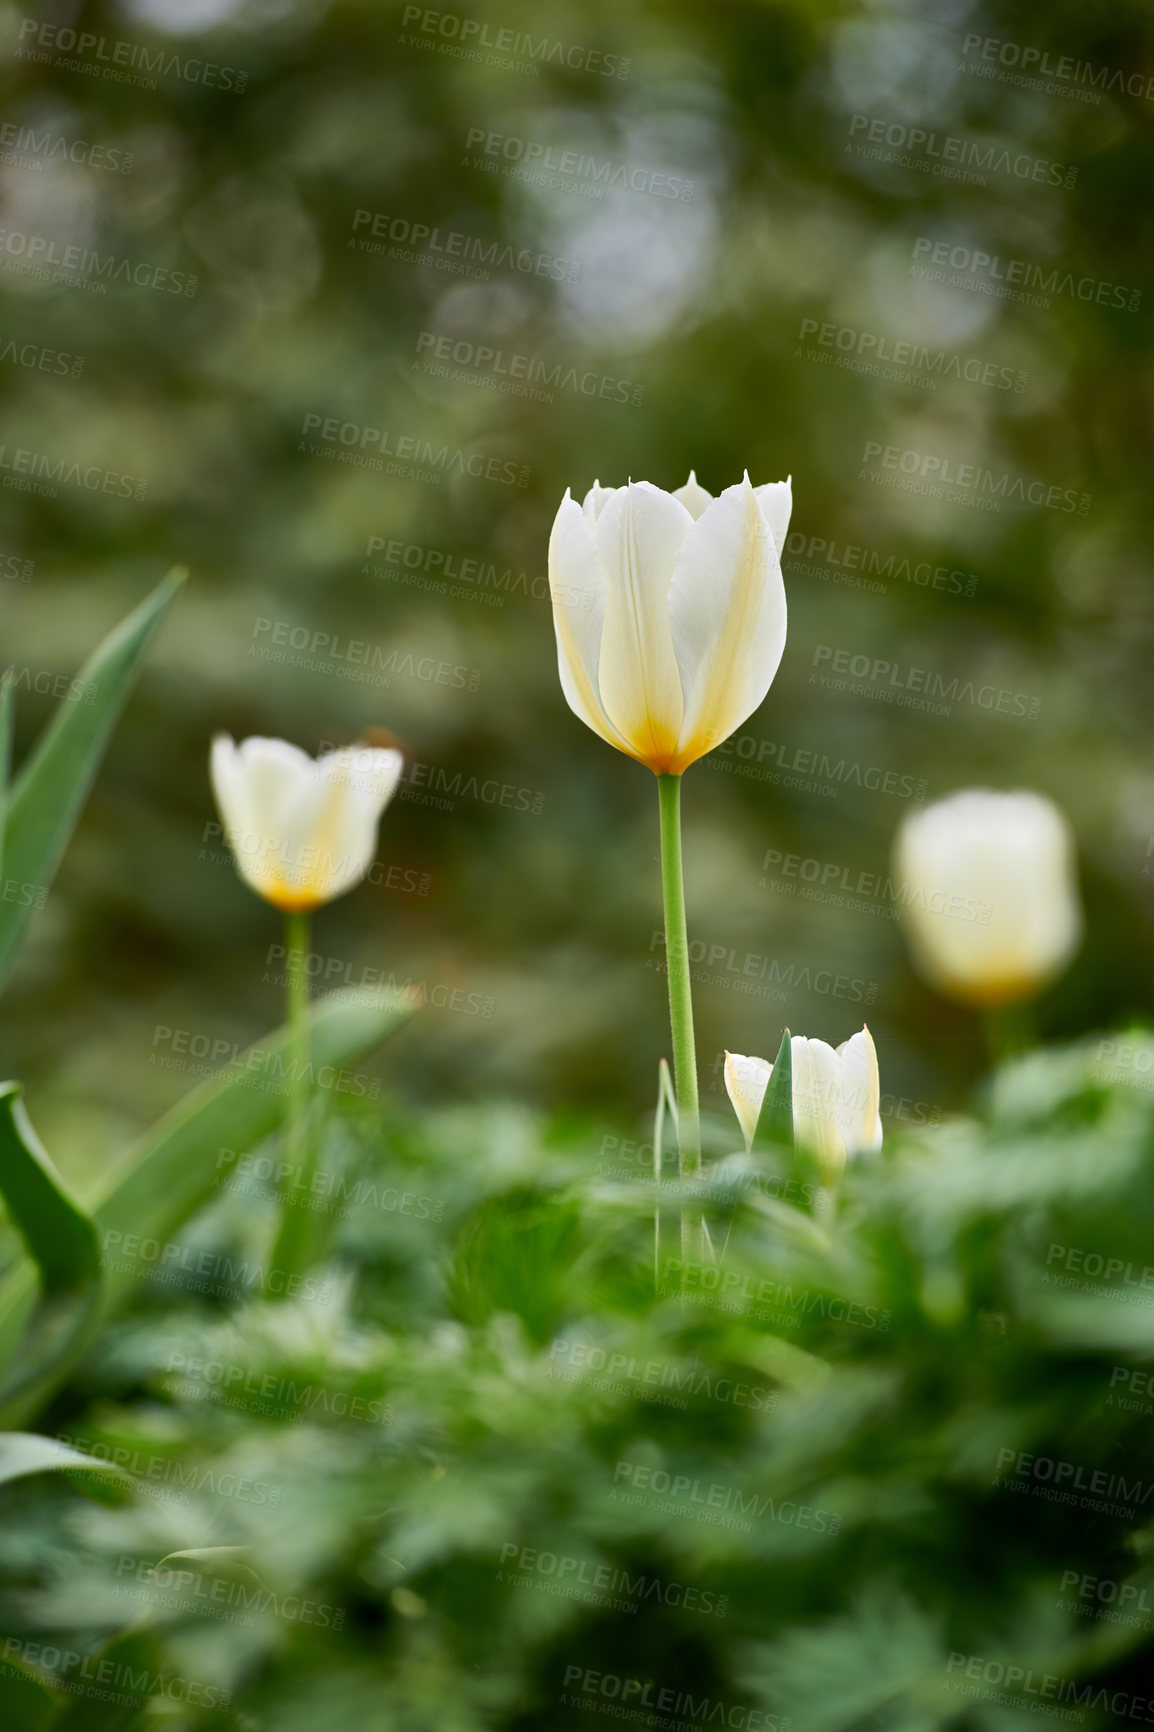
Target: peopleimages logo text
[
  {"x": 998, "y": 275},
  {"x": 453, "y": 250},
  {"x": 1039, "y": 63},
  {"x": 935, "y": 151},
  {"x": 473, "y": 34},
  {"x": 880, "y": 676},
  {"x": 975, "y": 479},
  {"x": 648, "y": 1703},
  {"x": 23, "y": 146},
  {"x": 868, "y": 351},
  {"x": 41, "y": 256},
  {"x": 412, "y": 456},
  {"x": 573, "y": 165},
  {"x": 115, "y": 57},
  {"x": 1025, "y": 1682}
]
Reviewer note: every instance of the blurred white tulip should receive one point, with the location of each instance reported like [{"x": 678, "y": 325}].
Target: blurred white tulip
[
  {"x": 1012, "y": 855},
  {"x": 302, "y": 830},
  {"x": 836, "y": 1097},
  {"x": 670, "y": 612}
]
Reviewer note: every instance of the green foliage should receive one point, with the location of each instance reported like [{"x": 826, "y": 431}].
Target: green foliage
[
  {"x": 174, "y": 1169},
  {"x": 490, "y": 1462}
]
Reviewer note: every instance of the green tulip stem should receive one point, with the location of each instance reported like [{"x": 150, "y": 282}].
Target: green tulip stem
[
  {"x": 1010, "y": 1029},
  {"x": 680, "y": 1008},
  {"x": 291, "y": 1248}
]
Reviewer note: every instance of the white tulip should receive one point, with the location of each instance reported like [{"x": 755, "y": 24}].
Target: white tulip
[
  {"x": 989, "y": 886},
  {"x": 670, "y": 612},
  {"x": 302, "y": 830},
  {"x": 836, "y": 1097}
]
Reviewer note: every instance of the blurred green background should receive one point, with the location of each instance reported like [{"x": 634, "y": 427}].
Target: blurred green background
[{"x": 357, "y": 126}]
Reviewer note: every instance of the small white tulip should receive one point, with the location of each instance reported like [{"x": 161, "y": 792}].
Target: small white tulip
[
  {"x": 836, "y": 1097},
  {"x": 302, "y": 830},
  {"x": 670, "y": 612},
  {"x": 989, "y": 886}
]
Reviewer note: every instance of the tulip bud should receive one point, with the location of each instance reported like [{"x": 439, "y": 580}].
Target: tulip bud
[
  {"x": 989, "y": 888},
  {"x": 302, "y": 831},
  {"x": 670, "y": 613},
  {"x": 836, "y": 1097}
]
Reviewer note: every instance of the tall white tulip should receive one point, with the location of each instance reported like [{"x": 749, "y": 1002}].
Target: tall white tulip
[
  {"x": 836, "y": 1097},
  {"x": 302, "y": 830},
  {"x": 1012, "y": 854},
  {"x": 670, "y": 612}
]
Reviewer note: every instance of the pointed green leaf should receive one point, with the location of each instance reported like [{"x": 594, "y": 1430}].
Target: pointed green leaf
[
  {"x": 217, "y": 1556},
  {"x": 26, "y": 1452},
  {"x": 61, "y": 1239},
  {"x": 775, "y": 1121},
  {"x": 172, "y": 1171},
  {"x": 53, "y": 783},
  {"x": 666, "y": 1103},
  {"x": 230, "y": 1562}
]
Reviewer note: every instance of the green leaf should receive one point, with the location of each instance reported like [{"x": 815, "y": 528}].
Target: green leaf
[
  {"x": 224, "y": 1562},
  {"x": 216, "y": 1556},
  {"x": 54, "y": 781},
  {"x": 666, "y": 1103},
  {"x": 26, "y": 1452},
  {"x": 60, "y": 1239},
  {"x": 26, "y": 1704},
  {"x": 172, "y": 1171},
  {"x": 103, "y": 1691},
  {"x": 6, "y": 707},
  {"x": 775, "y": 1121}
]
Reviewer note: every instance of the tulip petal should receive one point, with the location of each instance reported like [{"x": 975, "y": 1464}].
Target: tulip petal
[
  {"x": 638, "y": 536},
  {"x": 693, "y": 496},
  {"x": 372, "y": 773},
  {"x": 281, "y": 783},
  {"x": 230, "y": 787},
  {"x": 859, "y": 1093},
  {"x": 276, "y": 778},
  {"x": 595, "y": 502},
  {"x": 776, "y": 501},
  {"x": 815, "y": 1093},
  {"x": 353, "y": 787},
  {"x": 747, "y": 1079},
  {"x": 245, "y": 803},
  {"x": 728, "y": 616},
  {"x": 577, "y": 586}
]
